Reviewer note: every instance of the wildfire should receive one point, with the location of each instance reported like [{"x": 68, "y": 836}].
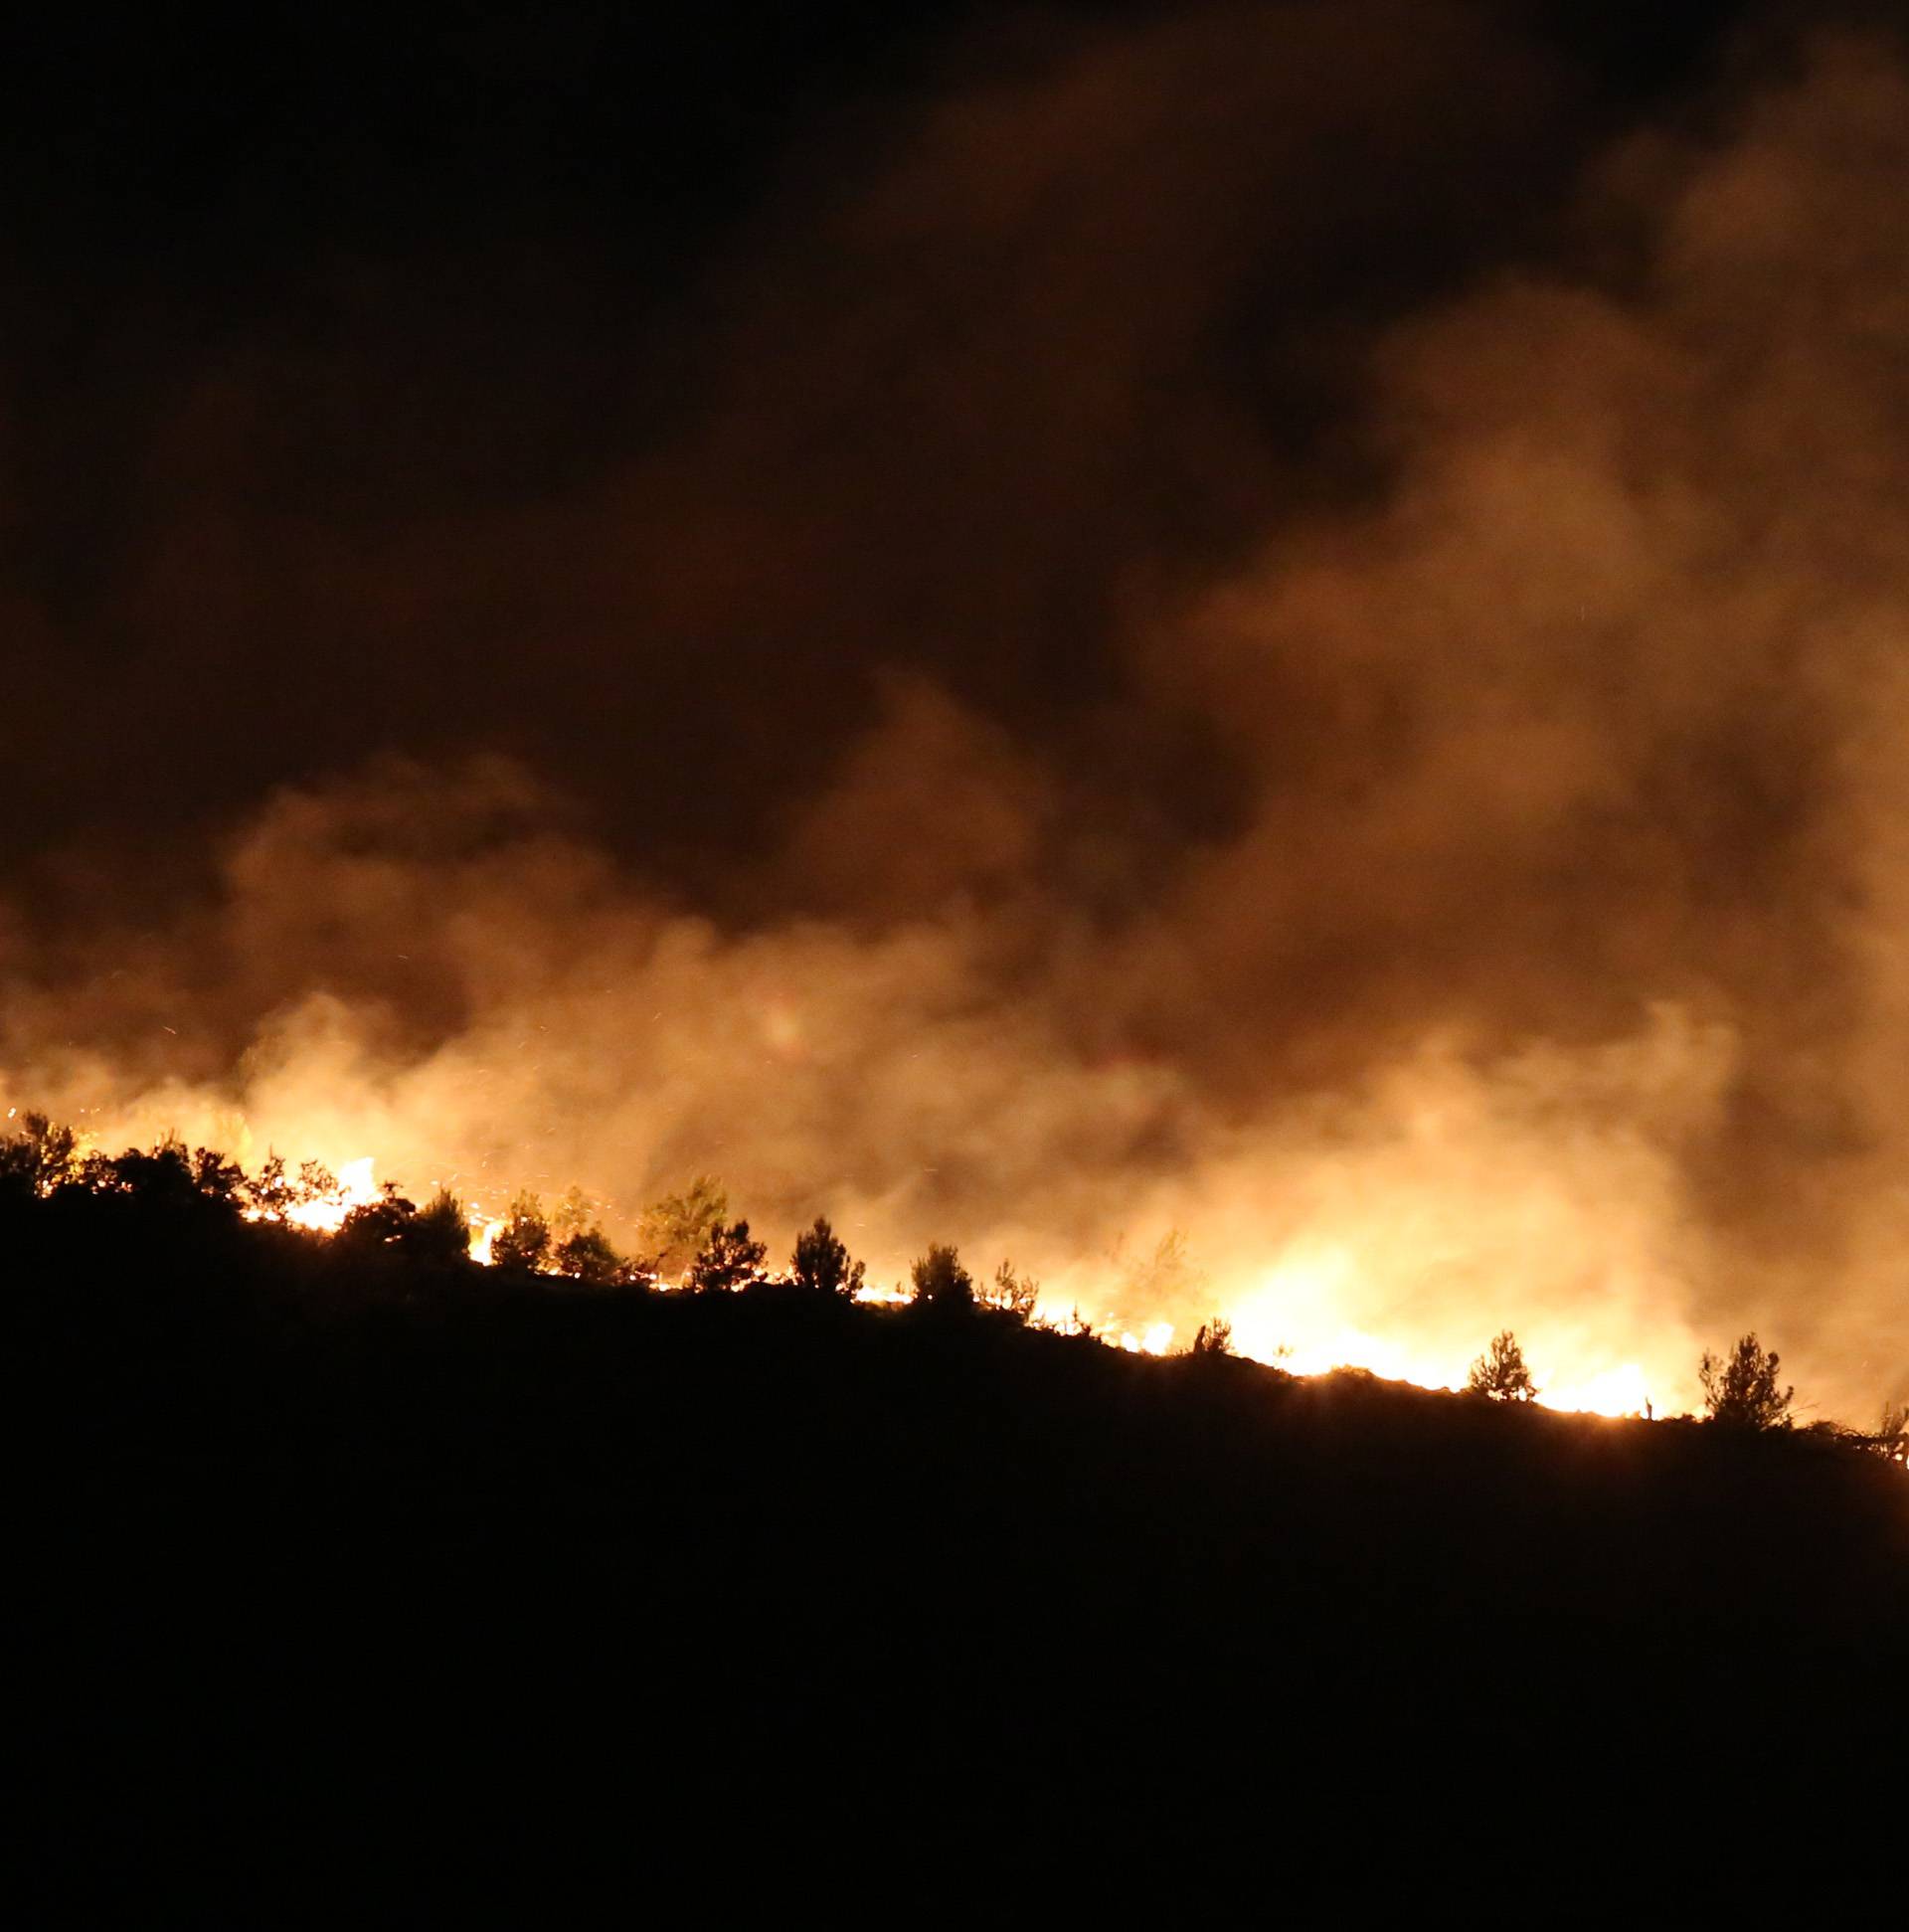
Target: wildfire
[
  {"x": 327, "y": 1214},
  {"x": 1349, "y": 1295},
  {"x": 1293, "y": 1319},
  {"x": 483, "y": 1237}
]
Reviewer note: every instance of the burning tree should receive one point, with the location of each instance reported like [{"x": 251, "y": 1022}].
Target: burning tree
[
  {"x": 1500, "y": 1372},
  {"x": 40, "y": 1157},
  {"x": 1740, "y": 1391}
]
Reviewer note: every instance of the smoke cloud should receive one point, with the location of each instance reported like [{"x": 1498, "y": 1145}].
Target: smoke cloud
[{"x": 1120, "y": 699}]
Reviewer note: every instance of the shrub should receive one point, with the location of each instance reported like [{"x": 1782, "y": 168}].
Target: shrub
[
  {"x": 821, "y": 1263},
  {"x": 1501, "y": 1373},
  {"x": 1740, "y": 1391},
  {"x": 940, "y": 1281}
]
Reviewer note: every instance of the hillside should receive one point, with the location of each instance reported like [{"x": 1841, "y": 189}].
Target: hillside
[{"x": 325, "y": 1557}]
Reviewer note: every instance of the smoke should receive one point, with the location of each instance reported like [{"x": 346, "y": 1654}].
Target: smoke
[{"x": 1402, "y": 774}]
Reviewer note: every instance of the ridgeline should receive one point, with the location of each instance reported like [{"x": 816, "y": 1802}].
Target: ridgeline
[{"x": 341, "y": 1560}]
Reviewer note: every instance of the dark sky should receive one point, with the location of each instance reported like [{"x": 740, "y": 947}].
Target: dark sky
[{"x": 453, "y": 374}]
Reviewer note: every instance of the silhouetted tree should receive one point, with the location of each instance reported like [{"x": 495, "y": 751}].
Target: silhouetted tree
[
  {"x": 586, "y": 1256},
  {"x": 271, "y": 1190},
  {"x": 1892, "y": 1434},
  {"x": 39, "y": 1157},
  {"x": 1013, "y": 1293},
  {"x": 276, "y": 1192},
  {"x": 821, "y": 1263},
  {"x": 378, "y": 1224},
  {"x": 316, "y": 1181},
  {"x": 216, "y": 1179},
  {"x": 434, "y": 1236},
  {"x": 675, "y": 1230},
  {"x": 440, "y": 1233},
  {"x": 940, "y": 1281},
  {"x": 1215, "y": 1337},
  {"x": 729, "y": 1260},
  {"x": 167, "y": 1174},
  {"x": 1740, "y": 1391},
  {"x": 524, "y": 1239},
  {"x": 1500, "y": 1372}
]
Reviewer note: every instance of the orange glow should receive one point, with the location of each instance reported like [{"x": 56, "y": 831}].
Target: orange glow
[
  {"x": 1401, "y": 1260},
  {"x": 326, "y": 1215}
]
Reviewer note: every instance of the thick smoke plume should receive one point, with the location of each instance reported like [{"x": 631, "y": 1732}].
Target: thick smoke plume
[{"x": 1453, "y": 863}]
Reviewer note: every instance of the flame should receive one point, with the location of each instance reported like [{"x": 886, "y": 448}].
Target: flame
[
  {"x": 1292, "y": 1318},
  {"x": 1368, "y": 1284},
  {"x": 327, "y": 1213},
  {"x": 1620, "y": 1391}
]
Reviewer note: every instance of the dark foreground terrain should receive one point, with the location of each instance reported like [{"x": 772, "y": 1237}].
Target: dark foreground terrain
[{"x": 346, "y": 1582}]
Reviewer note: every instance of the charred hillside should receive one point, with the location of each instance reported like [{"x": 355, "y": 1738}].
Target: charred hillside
[{"x": 329, "y": 1548}]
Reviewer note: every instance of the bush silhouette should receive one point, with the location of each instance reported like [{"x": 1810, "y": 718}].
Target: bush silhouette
[
  {"x": 1500, "y": 1372},
  {"x": 440, "y": 1232},
  {"x": 39, "y": 1157},
  {"x": 523, "y": 1242},
  {"x": 1015, "y": 1295},
  {"x": 821, "y": 1263},
  {"x": 1215, "y": 1337},
  {"x": 435, "y": 1236},
  {"x": 729, "y": 1260},
  {"x": 1740, "y": 1391},
  {"x": 587, "y": 1256},
  {"x": 940, "y": 1281}
]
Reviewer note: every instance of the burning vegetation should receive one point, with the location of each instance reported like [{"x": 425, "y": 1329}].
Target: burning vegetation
[{"x": 689, "y": 1245}]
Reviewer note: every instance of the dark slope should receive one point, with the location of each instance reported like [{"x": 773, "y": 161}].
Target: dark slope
[{"x": 332, "y": 1575}]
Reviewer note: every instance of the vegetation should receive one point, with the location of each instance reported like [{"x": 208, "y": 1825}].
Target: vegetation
[
  {"x": 523, "y": 1242},
  {"x": 1501, "y": 1374},
  {"x": 1014, "y": 1295},
  {"x": 821, "y": 1263},
  {"x": 729, "y": 1260},
  {"x": 589, "y": 1258},
  {"x": 1163, "y": 1277},
  {"x": 677, "y": 1229},
  {"x": 940, "y": 1281},
  {"x": 353, "y": 1520},
  {"x": 1215, "y": 1337},
  {"x": 1741, "y": 1390}
]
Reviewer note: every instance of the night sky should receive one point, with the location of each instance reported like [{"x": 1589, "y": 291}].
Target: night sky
[{"x": 1030, "y": 625}]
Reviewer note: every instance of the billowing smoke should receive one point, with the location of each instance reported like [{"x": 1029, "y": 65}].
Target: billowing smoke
[{"x": 1412, "y": 793}]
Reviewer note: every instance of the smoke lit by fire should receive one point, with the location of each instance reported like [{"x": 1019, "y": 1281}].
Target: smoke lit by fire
[{"x": 1469, "y": 892}]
